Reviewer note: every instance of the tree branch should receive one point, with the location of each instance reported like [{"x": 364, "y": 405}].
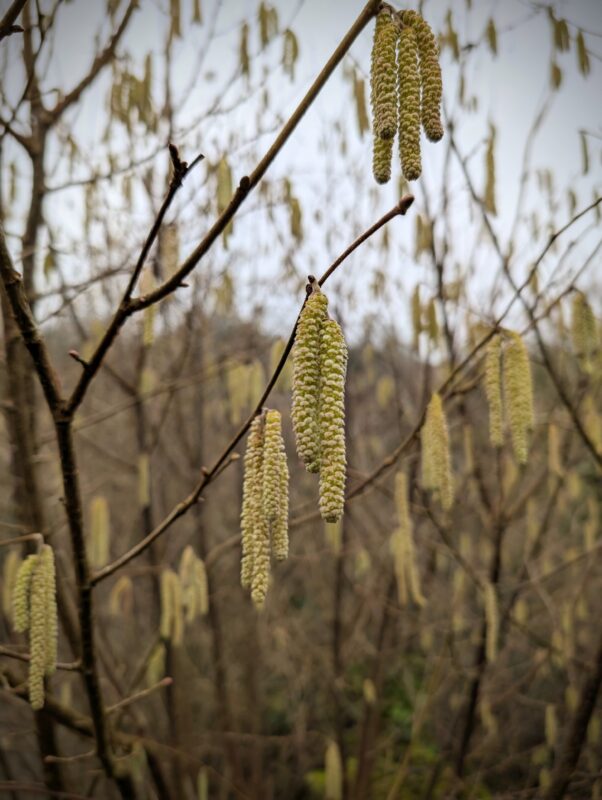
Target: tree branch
[{"x": 245, "y": 187}]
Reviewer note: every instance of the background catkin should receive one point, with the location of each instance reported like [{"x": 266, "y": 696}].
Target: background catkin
[
  {"x": 436, "y": 464},
  {"x": 518, "y": 392},
  {"x": 409, "y": 104},
  {"x": 333, "y": 772},
  {"x": 333, "y": 364},
  {"x": 21, "y": 594},
  {"x": 252, "y": 501},
  {"x": 382, "y": 76},
  {"x": 492, "y": 621},
  {"x": 430, "y": 75},
  {"x": 306, "y": 380},
  {"x": 402, "y": 546},
  {"x": 493, "y": 390},
  {"x": 583, "y": 331}
]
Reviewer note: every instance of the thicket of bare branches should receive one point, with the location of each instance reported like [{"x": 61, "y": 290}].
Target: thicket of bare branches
[{"x": 154, "y": 253}]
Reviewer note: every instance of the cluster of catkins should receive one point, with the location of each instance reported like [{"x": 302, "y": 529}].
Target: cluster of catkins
[
  {"x": 507, "y": 367},
  {"x": 264, "y": 518},
  {"x": 184, "y": 596},
  {"x": 318, "y": 415},
  {"x": 319, "y": 369},
  {"x": 34, "y": 612},
  {"x": 406, "y": 89}
]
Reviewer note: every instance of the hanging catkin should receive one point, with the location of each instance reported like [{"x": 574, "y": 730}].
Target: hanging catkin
[
  {"x": 382, "y": 76},
  {"x": 252, "y": 501},
  {"x": 493, "y": 390},
  {"x": 430, "y": 75},
  {"x": 583, "y": 331},
  {"x": 409, "y": 104},
  {"x": 306, "y": 380},
  {"x": 333, "y": 366},
  {"x": 436, "y": 466},
  {"x": 34, "y": 608},
  {"x": 264, "y": 518},
  {"x": 333, "y": 772},
  {"x": 381, "y": 159},
  {"x": 280, "y": 529},
  {"x": 518, "y": 392},
  {"x": 402, "y": 547}
]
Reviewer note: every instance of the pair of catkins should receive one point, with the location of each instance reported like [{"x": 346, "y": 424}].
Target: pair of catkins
[{"x": 318, "y": 415}]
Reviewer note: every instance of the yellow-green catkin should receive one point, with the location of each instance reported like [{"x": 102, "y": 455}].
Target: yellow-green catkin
[
  {"x": 333, "y": 772},
  {"x": 333, "y": 365},
  {"x": 382, "y": 155},
  {"x": 99, "y": 531},
  {"x": 172, "y": 617},
  {"x": 583, "y": 330},
  {"x": 280, "y": 528},
  {"x": 21, "y": 594},
  {"x": 402, "y": 547},
  {"x": 272, "y": 449},
  {"x": 409, "y": 104},
  {"x": 306, "y": 380},
  {"x": 493, "y": 390},
  {"x": 51, "y": 629},
  {"x": 518, "y": 391},
  {"x": 261, "y": 564},
  {"x": 382, "y": 76},
  {"x": 43, "y": 625},
  {"x": 251, "y": 499},
  {"x": 10, "y": 568},
  {"x": 436, "y": 462},
  {"x": 492, "y": 621},
  {"x": 430, "y": 75},
  {"x": 37, "y": 634}
]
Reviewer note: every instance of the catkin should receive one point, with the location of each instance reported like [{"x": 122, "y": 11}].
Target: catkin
[
  {"x": 251, "y": 503},
  {"x": 518, "y": 391},
  {"x": 271, "y": 465},
  {"x": 333, "y": 365},
  {"x": 333, "y": 772},
  {"x": 21, "y": 594},
  {"x": 261, "y": 564},
  {"x": 172, "y": 617},
  {"x": 436, "y": 466},
  {"x": 37, "y": 634},
  {"x": 583, "y": 330},
  {"x": 382, "y": 76},
  {"x": 306, "y": 380},
  {"x": 409, "y": 104},
  {"x": 492, "y": 621},
  {"x": 402, "y": 547},
  {"x": 10, "y": 568},
  {"x": 382, "y": 155},
  {"x": 493, "y": 390},
  {"x": 430, "y": 75},
  {"x": 280, "y": 529},
  {"x": 50, "y": 611}
]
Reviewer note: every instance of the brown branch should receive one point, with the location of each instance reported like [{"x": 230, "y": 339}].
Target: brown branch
[
  {"x": 209, "y": 475},
  {"x": 7, "y": 24},
  {"x": 180, "y": 170},
  {"x": 245, "y": 187},
  {"x": 74, "y": 666}
]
